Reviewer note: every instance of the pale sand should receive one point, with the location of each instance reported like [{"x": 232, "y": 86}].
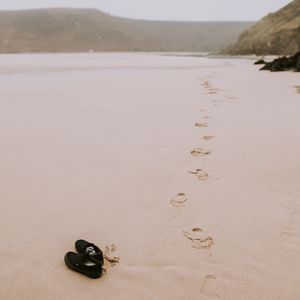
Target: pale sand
[{"x": 99, "y": 147}]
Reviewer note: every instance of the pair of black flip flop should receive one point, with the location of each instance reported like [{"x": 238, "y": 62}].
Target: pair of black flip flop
[{"x": 88, "y": 260}]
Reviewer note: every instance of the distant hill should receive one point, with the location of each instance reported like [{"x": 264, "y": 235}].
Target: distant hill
[
  {"x": 80, "y": 30},
  {"x": 277, "y": 33}
]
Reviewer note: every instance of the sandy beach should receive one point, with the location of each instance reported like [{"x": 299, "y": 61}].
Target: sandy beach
[{"x": 188, "y": 166}]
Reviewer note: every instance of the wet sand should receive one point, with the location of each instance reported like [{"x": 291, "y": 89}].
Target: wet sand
[{"x": 188, "y": 166}]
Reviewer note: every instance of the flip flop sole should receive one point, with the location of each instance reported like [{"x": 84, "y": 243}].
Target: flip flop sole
[
  {"x": 81, "y": 245},
  {"x": 90, "y": 274}
]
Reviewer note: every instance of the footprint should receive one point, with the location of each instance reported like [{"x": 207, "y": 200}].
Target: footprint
[
  {"x": 193, "y": 233},
  {"x": 206, "y": 243},
  {"x": 201, "y": 124},
  {"x": 208, "y": 137},
  {"x": 206, "y": 84},
  {"x": 200, "y": 174},
  {"x": 109, "y": 255},
  {"x": 200, "y": 240},
  {"x": 289, "y": 236},
  {"x": 286, "y": 235},
  {"x": 179, "y": 200},
  {"x": 209, "y": 287},
  {"x": 211, "y": 90},
  {"x": 200, "y": 152}
]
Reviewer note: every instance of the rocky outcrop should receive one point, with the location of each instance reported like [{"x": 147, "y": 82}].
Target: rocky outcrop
[
  {"x": 290, "y": 63},
  {"x": 278, "y": 33}
]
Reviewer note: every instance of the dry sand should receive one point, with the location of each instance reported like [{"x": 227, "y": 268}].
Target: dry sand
[{"x": 99, "y": 147}]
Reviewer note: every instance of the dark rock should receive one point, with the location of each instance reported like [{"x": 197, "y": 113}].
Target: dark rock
[
  {"x": 298, "y": 64},
  {"x": 266, "y": 67},
  {"x": 260, "y": 62},
  {"x": 285, "y": 63}
]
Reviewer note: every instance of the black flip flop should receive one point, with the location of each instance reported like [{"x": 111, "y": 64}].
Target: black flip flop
[
  {"x": 92, "y": 250},
  {"x": 84, "y": 264}
]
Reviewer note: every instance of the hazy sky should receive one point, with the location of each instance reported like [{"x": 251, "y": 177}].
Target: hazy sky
[{"x": 199, "y": 10}]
